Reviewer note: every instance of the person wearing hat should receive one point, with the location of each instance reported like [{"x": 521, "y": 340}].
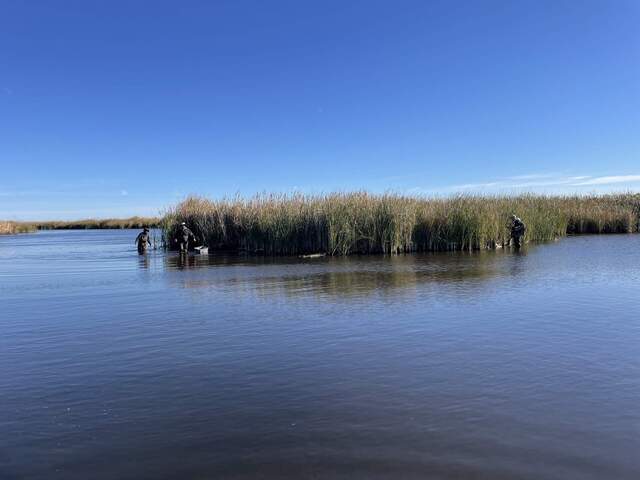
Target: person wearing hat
[
  {"x": 183, "y": 237},
  {"x": 143, "y": 241},
  {"x": 518, "y": 228}
]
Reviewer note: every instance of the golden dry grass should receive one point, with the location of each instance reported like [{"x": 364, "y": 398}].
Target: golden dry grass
[
  {"x": 11, "y": 228},
  {"x": 107, "y": 223},
  {"x": 346, "y": 223}
]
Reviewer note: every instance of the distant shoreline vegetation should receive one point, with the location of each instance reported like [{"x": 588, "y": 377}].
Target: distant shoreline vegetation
[
  {"x": 361, "y": 223},
  {"x": 10, "y": 227},
  {"x": 101, "y": 224}
]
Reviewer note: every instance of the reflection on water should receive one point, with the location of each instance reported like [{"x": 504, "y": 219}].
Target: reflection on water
[
  {"x": 341, "y": 277},
  {"x": 144, "y": 261},
  {"x": 494, "y": 365}
]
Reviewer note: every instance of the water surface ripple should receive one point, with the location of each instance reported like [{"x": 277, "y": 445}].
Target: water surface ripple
[{"x": 495, "y": 365}]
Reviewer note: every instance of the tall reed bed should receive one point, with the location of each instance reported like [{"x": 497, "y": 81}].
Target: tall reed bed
[{"x": 346, "y": 223}]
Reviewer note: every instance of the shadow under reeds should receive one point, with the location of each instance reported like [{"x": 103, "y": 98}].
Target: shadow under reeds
[{"x": 340, "y": 277}]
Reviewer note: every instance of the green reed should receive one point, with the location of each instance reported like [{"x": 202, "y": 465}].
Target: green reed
[{"x": 360, "y": 222}]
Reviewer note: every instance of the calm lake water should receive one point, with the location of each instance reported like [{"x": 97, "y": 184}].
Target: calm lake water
[{"x": 495, "y": 365}]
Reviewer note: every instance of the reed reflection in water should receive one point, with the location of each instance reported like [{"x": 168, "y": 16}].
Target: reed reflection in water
[{"x": 344, "y": 276}]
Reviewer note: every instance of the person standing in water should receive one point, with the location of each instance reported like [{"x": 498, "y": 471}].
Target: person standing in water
[
  {"x": 518, "y": 228},
  {"x": 183, "y": 237},
  {"x": 143, "y": 240}
]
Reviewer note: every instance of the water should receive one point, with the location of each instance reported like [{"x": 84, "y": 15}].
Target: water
[{"x": 498, "y": 365}]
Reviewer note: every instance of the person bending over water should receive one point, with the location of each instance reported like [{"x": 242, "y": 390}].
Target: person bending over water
[
  {"x": 184, "y": 234},
  {"x": 518, "y": 228},
  {"x": 143, "y": 241}
]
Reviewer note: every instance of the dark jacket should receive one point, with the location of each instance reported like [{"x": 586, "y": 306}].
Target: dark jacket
[
  {"x": 186, "y": 233},
  {"x": 142, "y": 240},
  {"x": 518, "y": 227}
]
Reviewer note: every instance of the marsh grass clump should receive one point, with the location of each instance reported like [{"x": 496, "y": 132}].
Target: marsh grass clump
[
  {"x": 11, "y": 228},
  {"x": 607, "y": 214},
  {"x": 360, "y": 222}
]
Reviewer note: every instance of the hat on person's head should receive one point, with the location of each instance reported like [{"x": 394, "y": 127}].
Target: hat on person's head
[
  {"x": 146, "y": 229},
  {"x": 183, "y": 224}
]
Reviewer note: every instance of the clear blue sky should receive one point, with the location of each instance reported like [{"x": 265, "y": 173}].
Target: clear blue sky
[{"x": 123, "y": 107}]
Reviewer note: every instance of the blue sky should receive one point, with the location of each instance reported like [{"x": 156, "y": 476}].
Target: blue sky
[{"x": 114, "y": 108}]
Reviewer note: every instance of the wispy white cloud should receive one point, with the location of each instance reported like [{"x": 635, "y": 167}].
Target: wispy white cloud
[
  {"x": 535, "y": 176},
  {"x": 513, "y": 183},
  {"x": 609, "y": 180},
  {"x": 551, "y": 182},
  {"x": 124, "y": 193}
]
